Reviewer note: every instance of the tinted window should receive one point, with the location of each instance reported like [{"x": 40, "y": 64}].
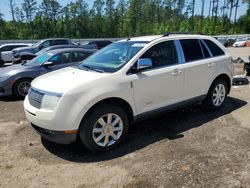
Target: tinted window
[
  {"x": 46, "y": 44},
  {"x": 79, "y": 56},
  {"x": 59, "y": 42},
  {"x": 215, "y": 50},
  {"x": 61, "y": 58},
  {"x": 39, "y": 59},
  {"x": 191, "y": 49},
  {"x": 162, "y": 54},
  {"x": 204, "y": 49},
  {"x": 103, "y": 43},
  {"x": 7, "y": 48}
]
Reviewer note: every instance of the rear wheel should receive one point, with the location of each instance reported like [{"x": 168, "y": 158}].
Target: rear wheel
[
  {"x": 217, "y": 95},
  {"x": 104, "y": 128},
  {"x": 21, "y": 88}
]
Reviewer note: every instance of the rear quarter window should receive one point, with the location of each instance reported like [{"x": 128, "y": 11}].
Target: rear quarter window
[{"x": 214, "y": 49}]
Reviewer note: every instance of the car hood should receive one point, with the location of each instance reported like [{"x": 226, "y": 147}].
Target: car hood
[
  {"x": 24, "y": 49},
  {"x": 13, "y": 69},
  {"x": 63, "y": 80}
]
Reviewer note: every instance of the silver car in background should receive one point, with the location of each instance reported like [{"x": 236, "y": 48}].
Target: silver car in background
[{"x": 6, "y": 54}]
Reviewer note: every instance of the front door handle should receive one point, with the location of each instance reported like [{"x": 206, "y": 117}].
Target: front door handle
[
  {"x": 210, "y": 64},
  {"x": 176, "y": 72}
]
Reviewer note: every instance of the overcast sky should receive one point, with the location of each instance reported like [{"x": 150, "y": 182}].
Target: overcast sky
[{"x": 5, "y": 10}]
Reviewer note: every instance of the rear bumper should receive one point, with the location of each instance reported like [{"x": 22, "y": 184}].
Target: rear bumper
[{"x": 59, "y": 137}]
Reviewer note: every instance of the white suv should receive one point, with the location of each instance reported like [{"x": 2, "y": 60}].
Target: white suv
[{"x": 126, "y": 81}]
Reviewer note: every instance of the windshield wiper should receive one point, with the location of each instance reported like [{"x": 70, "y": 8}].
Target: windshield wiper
[{"x": 91, "y": 68}]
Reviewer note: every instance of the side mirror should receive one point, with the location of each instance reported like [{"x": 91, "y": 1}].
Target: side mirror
[
  {"x": 48, "y": 63},
  {"x": 144, "y": 63}
]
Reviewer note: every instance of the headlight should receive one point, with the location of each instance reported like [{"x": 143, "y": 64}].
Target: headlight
[{"x": 50, "y": 102}]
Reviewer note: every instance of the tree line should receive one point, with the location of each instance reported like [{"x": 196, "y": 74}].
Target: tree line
[{"x": 109, "y": 18}]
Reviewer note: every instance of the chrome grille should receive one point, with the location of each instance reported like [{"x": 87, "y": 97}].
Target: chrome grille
[{"x": 35, "y": 98}]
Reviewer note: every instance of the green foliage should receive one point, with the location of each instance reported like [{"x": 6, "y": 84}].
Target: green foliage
[{"x": 123, "y": 18}]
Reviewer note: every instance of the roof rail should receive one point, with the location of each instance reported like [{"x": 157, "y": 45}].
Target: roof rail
[{"x": 181, "y": 33}]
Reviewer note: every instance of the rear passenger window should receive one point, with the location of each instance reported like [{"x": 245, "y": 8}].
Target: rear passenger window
[
  {"x": 162, "y": 54},
  {"x": 191, "y": 49},
  {"x": 215, "y": 50}
]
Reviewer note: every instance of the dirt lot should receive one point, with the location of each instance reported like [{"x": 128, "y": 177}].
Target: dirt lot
[{"x": 185, "y": 148}]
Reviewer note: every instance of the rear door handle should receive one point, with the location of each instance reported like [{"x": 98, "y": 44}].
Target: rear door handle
[
  {"x": 210, "y": 64},
  {"x": 176, "y": 72}
]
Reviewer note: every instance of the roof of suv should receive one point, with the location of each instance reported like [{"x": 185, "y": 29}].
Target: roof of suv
[{"x": 153, "y": 37}]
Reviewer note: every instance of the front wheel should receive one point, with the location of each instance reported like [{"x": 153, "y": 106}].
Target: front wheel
[
  {"x": 216, "y": 96},
  {"x": 104, "y": 128},
  {"x": 21, "y": 88}
]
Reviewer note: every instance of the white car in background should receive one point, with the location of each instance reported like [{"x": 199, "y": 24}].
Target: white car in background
[
  {"x": 240, "y": 42},
  {"x": 6, "y": 54}
]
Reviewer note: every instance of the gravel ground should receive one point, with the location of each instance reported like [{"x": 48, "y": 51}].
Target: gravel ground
[{"x": 184, "y": 148}]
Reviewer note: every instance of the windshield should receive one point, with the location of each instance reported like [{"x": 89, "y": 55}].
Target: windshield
[
  {"x": 113, "y": 57},
  {"x": 43, "y": 51},
  {"x": 39, "y": 59},
  {"x": 37, "y": 44}
]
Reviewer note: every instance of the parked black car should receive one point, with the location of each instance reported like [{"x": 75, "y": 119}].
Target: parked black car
[{"x": 24, "y": 56}]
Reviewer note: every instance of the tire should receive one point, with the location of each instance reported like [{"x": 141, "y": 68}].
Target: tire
[
  {"x": 1, "y": 63},
  {"x": 97, "y": 141},
  {"x": 21, "y": 87},
  {"x": 216, "y": 95},
  {"x": 248, "y": 72}
]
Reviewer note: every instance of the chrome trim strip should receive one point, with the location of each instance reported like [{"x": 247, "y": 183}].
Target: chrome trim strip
[
  {"x": 47, "y": 92},
  {"x": 210, "y": 53}
]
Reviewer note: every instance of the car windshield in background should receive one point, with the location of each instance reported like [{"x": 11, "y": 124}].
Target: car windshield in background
[
  {"x": 42, "y": 51},
  {"x": 37, "y": 44},
  {"x": 39, "y": 59},
  {"x": 113, "y": 57}
]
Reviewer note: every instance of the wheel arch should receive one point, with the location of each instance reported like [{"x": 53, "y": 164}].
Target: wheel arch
[
  {"x": 113, "y": 101},
  {"x": 226, "y": 78},
  {"x": 17, "y": 80}
]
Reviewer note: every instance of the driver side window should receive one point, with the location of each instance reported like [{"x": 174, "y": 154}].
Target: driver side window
[
  {"x": 61, "y": 58},
  {"x": 162, "y": 54}
]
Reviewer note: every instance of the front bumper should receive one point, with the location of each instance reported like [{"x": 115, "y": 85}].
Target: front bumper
[
  {"x": 5, "y": 89},
  {"x": 59, "y": 137},
  {"x": 59, "y": 125}
]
